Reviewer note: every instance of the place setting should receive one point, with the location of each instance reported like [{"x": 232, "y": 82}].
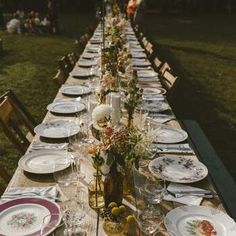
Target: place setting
[
  {"x": 66, "y": 107},
  {"x": 75, "y": 90}
]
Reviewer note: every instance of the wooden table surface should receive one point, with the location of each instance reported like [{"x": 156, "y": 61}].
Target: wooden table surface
[{"x": 23, "y": 179}]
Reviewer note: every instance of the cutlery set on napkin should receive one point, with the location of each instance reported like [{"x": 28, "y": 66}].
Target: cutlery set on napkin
[
  {"x": 186, "y": 194},
  {"x": 51, "y": 193},
  {"x": 171, "y": 148},
  {"x": 49, "y": 146}
]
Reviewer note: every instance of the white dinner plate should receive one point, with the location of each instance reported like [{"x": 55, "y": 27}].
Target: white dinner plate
[
  {"x": 187, "y": 220},
  {"x": 146, "y": 73},
  {"x": 86, "y": 63},
  {"x": 75, "y": 90},
  {"x": 139, "y": 55},
  {"x": 24, "y": 216},
  {"x": 45, "y": 161},
  {"x": 141, "y": 63},
  {"x": 169, "y": 134},
  {"x": 57, "y": 129},
  {"x": 178, "y": 169},
  {"x": 80, "y": 73},
  {"x": 66, "y": 107},
  {"x": 153, "y": 91},
  {"x": 88, "y": 55}
]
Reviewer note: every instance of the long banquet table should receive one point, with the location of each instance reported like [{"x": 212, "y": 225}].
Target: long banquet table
[{"x": 23, "y": 179}]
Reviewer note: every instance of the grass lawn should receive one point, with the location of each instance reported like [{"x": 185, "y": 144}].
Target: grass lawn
[
  {"x": 202, "y": 52},
  {"x": 28, "y": 65}
]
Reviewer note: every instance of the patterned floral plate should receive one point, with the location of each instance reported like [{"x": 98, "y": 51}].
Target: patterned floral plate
[
  {"x": 169, "y": 134},
  {"x": 24, "y": 216},
  {"x": 155, "y": 106},
  {"x": 178, "y": 169},
  {"x": 57, "y": 129},
  {"x": 66, "y": 107},
  {"x": 199, "y": 220}
]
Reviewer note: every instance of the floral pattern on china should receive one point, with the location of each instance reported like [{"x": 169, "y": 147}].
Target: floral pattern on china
[
  {"x": 178, "y": 169},
  {"x": 22, "y": 220},
  {"x": 200, "y": 228}
]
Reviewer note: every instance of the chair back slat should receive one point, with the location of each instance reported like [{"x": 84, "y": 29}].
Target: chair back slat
[
  {"x": 168, "y": 80},
  {"x": 5, "y": 179},
  {"x": 157, "y": 63},
  {"x": 163, "y": 68},
  {"x": 14, "y": 122}
]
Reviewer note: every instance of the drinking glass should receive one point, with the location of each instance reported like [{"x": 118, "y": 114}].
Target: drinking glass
[
  {"x": 148, "y": 221},
  {"x": 49, "y": 224},
  {"x": 74, "y": 217}
]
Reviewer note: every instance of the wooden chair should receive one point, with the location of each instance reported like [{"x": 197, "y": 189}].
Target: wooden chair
[
  {"x": 73, "y": 58},
  {"x": 4, "y": 179},
  {"x": 168, "y": 80},
  {"x": 64, "y": 69},
  {"x": 15, "y": 121},
  {"x": 163, "y": 68},
  {"x": 157, "y": 64}
]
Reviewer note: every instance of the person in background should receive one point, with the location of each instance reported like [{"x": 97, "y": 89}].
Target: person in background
[
  {"x": 1, "y": 14},
  {"x": 131, "y": 8},
  {"x": 140, "y": 11},
  {"x": 37, "y": 19},
  {"x": 52, "y": 16},
  {"x": 13, "y": 26}
]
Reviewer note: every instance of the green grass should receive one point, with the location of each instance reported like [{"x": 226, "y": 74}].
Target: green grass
[
  {"x": 28, "y": 65},
  {"x": 202, "y": 52}
]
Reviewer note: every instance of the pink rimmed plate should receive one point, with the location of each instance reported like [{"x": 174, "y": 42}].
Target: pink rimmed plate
[{"x": 24, "y": 216}]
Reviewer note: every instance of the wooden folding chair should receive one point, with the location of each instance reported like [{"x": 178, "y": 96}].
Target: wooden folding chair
[
  {"x": 4, "y": 179},
  {"x": 163, "y": 68},
  {"x": 168, "y": 80},
  {"x": 15, "y": 121},
  {"x": 157, "y": 64},
  {"x": 64, "y": 69}
]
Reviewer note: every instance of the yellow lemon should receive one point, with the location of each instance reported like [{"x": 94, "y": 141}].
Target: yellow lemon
[
  {"x": 115, "y": 211},
  {"x": 122, "y": 208},
  {"x": 112, "y": 204},
  {"x": 130, "y": 219}
]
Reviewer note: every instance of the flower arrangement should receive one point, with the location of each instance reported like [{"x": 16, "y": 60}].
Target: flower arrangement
[
  {"x": 133, "y": 95},
  {"x": 101, "y": 116}
]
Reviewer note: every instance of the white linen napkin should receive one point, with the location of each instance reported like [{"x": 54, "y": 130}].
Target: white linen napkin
[
  {"x": 16, "y": 192},
  {"x": 187, "y": 200}
]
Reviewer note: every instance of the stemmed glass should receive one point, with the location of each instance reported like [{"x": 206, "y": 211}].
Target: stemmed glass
[
  {"x": 50, "y": 224},
  {"x": 73, "y": 217},
  {"x": 149, "y": 191}
]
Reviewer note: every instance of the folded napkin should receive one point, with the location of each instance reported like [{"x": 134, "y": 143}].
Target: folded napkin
[
  {"x": 16, "y": 192},
  {"x": 49, "y": 146},
  {"x": 187, "y": 200}
]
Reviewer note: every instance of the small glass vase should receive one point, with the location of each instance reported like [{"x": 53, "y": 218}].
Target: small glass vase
[
  {"x": 96, "y": 192},
  {"x": 113, "y": 186}
]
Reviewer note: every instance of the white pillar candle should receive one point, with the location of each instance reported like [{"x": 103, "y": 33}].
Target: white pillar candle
[{"x": 115, "y": 103}]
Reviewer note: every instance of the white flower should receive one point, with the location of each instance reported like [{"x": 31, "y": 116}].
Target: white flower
[{"x": 101, "y": 115}]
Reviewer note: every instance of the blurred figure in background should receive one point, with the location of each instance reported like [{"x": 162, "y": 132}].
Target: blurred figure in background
[
  {"x": 131, "y": 8},
  {"x": 140, "y": 11},
  {"x": 1, "y": 14},
  {"x": 13, "y": 26},
  {"x": 52, "y": 16}
]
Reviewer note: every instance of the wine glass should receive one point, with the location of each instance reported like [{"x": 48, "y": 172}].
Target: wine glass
[
  {"x": 50, "y": 224},
  {"x": 148, "y": 221},
  {"x": 73, "y": 216}
]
